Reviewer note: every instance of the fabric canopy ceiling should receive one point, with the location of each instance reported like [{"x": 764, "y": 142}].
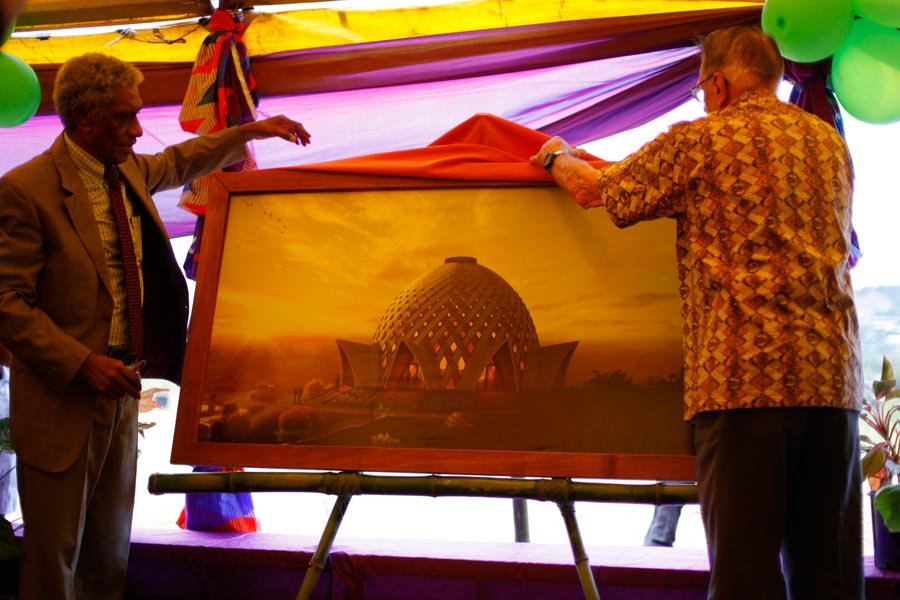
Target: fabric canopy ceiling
[
  {"x": 56, "y": 14},
  {"x": 272, "y": 33},
  {"x": 49, "y": 14},
  {"x": 584, "y": 79},
  {"x": 348, "y": 20}
]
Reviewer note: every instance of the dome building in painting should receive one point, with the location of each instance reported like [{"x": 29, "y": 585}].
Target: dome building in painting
[{"x": 458, "y": 327}]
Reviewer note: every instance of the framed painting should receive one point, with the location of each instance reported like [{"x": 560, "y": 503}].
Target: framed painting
[{"x": 395, "y": 324}]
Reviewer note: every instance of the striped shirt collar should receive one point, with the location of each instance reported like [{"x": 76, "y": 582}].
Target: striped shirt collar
[{"x": 86, "y": 164}]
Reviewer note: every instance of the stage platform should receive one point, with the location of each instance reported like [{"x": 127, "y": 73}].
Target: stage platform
[
  {"x": 187, "y": 565},
  {"x": 193, "y": 565}
]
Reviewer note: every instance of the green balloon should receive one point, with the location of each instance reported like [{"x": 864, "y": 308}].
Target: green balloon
[
  {"x": 20, "y": 91},
  {"x": 865, "y": 73},
  {"x": 882, "y": 12},
  {"x": 7, "y": 32},
  {"x": 808, "y": 30}
]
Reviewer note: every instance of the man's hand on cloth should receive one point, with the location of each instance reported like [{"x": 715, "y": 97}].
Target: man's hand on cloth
[{"x": 554, "y": 145}]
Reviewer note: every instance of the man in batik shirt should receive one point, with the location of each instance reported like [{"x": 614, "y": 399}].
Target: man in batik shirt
[{"x": 760, "y": 191}]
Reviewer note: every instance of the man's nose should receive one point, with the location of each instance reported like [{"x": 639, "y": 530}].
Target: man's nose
[{"x": 135, "y": 129}]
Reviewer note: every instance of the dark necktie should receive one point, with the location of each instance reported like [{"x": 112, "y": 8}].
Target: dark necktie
[{"x": 129, "y": 264}]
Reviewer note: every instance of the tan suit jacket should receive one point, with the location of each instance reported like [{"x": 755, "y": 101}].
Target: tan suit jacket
[{"x": 55, "y": 299}]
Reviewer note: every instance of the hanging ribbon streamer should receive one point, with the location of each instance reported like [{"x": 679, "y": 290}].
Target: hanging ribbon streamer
[{"x": 221, "y": 93}]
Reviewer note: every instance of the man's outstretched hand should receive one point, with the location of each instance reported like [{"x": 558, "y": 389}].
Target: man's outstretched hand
[{"x": 280, "y": 126}]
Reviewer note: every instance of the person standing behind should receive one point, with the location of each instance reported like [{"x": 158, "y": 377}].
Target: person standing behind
[
  {"x": 89, "y": 291},
  {"x": 761, "y": 195},
  {"x": 9, "y": 497}
]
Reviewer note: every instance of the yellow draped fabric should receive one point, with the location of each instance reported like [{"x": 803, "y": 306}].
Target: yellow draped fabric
[{"x": 269, "y": 33}]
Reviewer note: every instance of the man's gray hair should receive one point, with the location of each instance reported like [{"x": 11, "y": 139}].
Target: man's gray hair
[
  {"x": 88, "y": 83},
  {"x": 747, "y": 57}
]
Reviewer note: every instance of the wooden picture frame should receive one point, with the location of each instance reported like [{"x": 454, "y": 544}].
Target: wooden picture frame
[{"x": 395, "y": 324}]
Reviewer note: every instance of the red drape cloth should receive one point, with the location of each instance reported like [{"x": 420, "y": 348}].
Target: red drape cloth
[
  {"x": 482, "y": 148},
  {"x": 489, "y": 148}
]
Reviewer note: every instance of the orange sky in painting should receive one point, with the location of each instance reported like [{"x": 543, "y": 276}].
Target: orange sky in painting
[{"x": 329, "y": 264}]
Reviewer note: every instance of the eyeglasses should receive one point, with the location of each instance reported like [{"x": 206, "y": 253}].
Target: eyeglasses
[{"x": 697, "y": 90}]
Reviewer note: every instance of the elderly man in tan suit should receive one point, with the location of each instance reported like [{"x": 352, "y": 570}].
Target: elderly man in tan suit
[{"x": 67, "y": 316}]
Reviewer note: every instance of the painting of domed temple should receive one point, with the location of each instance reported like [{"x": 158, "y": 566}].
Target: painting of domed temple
[
  {"x": 433, "y": 324},
  {"x": 458, "y": 327}
]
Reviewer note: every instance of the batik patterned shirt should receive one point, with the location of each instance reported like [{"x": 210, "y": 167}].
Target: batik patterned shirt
[{"x": 761, "y": 194}]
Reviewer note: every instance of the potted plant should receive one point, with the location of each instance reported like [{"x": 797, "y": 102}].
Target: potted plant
[
  {"x": 880, "y": 442},
  {"x": 9, "y": 546}
]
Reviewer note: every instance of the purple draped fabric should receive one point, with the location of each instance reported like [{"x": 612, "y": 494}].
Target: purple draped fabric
[
  {"x": 582, "y": 101},
  {"x": 486, "y": 52},
  {"x": 640, "y": 95},
  {"x": 584, "y": 80},
  {"x": 812, "y": 91},
  {"x": 658, "y": 92}
]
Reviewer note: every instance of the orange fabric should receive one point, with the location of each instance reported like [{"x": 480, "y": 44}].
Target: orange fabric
[{"x": 481, "y": 148}]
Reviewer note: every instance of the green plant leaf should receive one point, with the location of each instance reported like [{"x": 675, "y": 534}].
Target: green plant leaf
[
  {"x": 887, "y": 370},
  {"x": 880, "y": 424},
  {"x": 5, "y": 445},
  {"x": 883, "y": 388},
  {"x": 874, "y": 460},
  {"x": 887, "y": 502},
  {"x": 866, "y": 439},
  {"x": 9, "y": 545}
]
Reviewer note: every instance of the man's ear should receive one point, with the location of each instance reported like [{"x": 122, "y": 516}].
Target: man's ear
[
  {"x": 84, "y": 121},
  {"x": 720, "y": 89}
]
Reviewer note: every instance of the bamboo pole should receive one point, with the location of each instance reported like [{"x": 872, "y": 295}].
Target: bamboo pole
[
  {"x": 426, "y": 485},
  {"x": 320, "y": 557},
  {"x": 582, "y": 564},
  {"x": 520, "y": 520},
  {"x": 564, "y": 492}
]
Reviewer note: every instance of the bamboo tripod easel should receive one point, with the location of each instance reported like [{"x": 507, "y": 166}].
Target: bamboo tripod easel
[{"x": 346, "y": 484}]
